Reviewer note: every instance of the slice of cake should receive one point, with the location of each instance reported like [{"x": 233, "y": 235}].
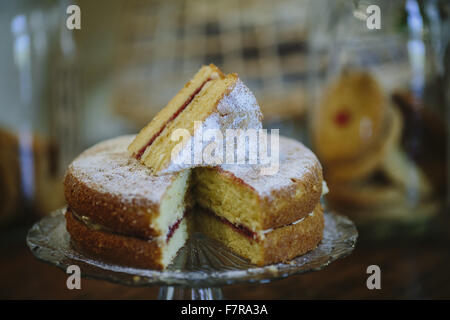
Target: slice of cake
[
  {"x": 212, "y": 99},
  {"x": 265, "y": 218},
  {"x": 120, "y": 212}
]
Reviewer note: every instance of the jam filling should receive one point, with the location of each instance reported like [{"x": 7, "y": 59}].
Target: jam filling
[
  {"x": 238, "y": 227},
  {"x": 173, "y": 228},
  {"x": 139, "y": 154},
  {"x": 342, "y": 118},
  {"x": 95, "y": 226},
  {"x": 241, "y": 228}
]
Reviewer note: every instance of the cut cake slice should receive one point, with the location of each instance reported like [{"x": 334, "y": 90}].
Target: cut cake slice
[{"x": 212, "y": 99}]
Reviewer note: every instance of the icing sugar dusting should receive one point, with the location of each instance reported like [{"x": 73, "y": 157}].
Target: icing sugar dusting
[
  {"x": 236, "y": 110},
  {"x": 296, "y": 160},
  {"x": 107, "y": 167},
  {"x": 239, "y": 109}
]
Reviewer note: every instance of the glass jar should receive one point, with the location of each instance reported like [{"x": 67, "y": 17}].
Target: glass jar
[
  {"x": 39, "y": 123},
  {"x": 378, "y": 100}
]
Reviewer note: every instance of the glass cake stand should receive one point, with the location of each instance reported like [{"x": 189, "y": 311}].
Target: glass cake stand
[{"x": 201, "y": 267}]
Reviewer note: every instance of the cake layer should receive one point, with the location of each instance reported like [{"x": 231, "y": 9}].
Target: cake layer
[
  {"x": 270, "y": 246},
  {"x": 176, "y": 105},
  {"x": 215, "y": 101},
  {"x": 114, "y": 190},
  {"x": 126, "y": 250},
  {"x": 240, "y": 194}
]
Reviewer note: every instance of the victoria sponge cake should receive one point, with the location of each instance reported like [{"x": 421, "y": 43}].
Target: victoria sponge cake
[
  {"x": 130, "y": 203},
  {"x": 118, "y": 211}
]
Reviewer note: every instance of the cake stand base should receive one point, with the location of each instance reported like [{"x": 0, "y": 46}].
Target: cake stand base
[{"x": 181, "y": 293}]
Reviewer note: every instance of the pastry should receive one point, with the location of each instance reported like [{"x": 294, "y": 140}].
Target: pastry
[
  {"x": 364, "y": 165},
  {"x": 350, "y": 118}
]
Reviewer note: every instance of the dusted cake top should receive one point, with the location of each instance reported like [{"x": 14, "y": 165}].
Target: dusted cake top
[
  {"x": 296, "y": 163},
  {"x": 108, "y": 168}
]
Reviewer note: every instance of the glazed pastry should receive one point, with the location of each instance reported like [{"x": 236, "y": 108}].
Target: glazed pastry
[
  {"x": 350, "y": 118},
  {"x": 364, "y": 165}
]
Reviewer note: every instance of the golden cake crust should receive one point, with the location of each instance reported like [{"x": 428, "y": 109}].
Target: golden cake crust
[
  {"x": 110, "y": 211},
  {"x": 114, "y": 247}
]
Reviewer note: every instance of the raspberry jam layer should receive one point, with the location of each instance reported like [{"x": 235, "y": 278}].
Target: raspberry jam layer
[
  {"x": 248, "y": 232},
  {"x": 237, "y": 227},
  {"x": 95, "y": 226},
  {"x": 139, "y": 154},
  {"x": 174, "y": 228}
]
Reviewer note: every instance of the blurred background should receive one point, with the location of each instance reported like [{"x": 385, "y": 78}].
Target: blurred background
[{"x": 372, "y": 103}]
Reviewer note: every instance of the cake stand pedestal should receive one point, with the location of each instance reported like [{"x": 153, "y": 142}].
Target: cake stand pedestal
[{"x": 200, "y": 268}]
